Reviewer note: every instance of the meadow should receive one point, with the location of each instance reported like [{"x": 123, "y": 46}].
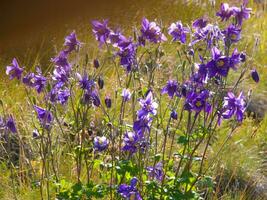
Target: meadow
[{"x": 160, "y": 111}]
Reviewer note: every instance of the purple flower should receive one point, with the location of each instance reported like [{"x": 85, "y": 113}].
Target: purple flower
[
  {"x": 101, "y": 31},
  {"x": 142, "y": 125},
  {"x": 130, "y": 192},
  {"x": 62, "y": 61},
  {"x": 199, "y": 23},
  {"x": 255, "y": 75},
  {"x": 85, "y": 83},
  {"x": 234, "y": 60},
  {"x": 126, "y": 94},
  {"x": 210, "y": 33},
  {"x": 14, "y": 70},
  {"x": 198, "y": 101},
  {"x": 219, "y": 65},
  {"x": 241, "y": 13},
  {"x": 156, "y": 172},
  {"x": 63, "y": 95},
  {"x": 225, "y": 12},
  {"x": 100, "y": 143},
  {"x": 71, "y": 42},
  {"x": 151, "y": 32},
  {"x": 243, "y": 56},
  {"x": 35, "y": 80},
  {"x": 130, "y": 142},
  {"x": 178, "y": 32},
  {"x": 108, "y": 101},
  {"x": 127, "y": 54},
  {"x": 234, "y": 106},
  {"x": 45, "y": 117},
  {"x": 100, "y": 82},
  {"x": 232, "y": 34},
  {"x": 148, "y": 106},
  {"x": 10, "y": 124},
  {"x": 171, "y": 88},
  {"x": 91, "y": 97}
]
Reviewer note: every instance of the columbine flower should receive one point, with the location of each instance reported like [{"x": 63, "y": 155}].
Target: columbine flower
[
  {"x": 148, "y": 106},
  {"x": 198, "y": 101},
  {"x": 45, "y": 117},
  {"x": 199, "y": 23},
  {"x": 178, "y": 32},
  {"x": 127, "y": 53},
  {"x": 142, "y": 125},
  {"x": 91, "y": 97},
  {"x": 62, "y": 60},
  {"x": 234, "y": 60},
  {"x": 151, "y": 32},
  {"x": 219, "y": 64},
  {"x": 71, "y": 42},
  {"x": 130, "y": 192},
  {"x": 171, "y": 88},
  {"x": 225, "y": 12},
  {"x": 210, "y": 33},
  {"x": 100, "y": 143},
  {"x": 10, "y": 124},
  {"x": 84, "y": 82},
  {"x": 232, "y": 34},
  {"x": 126, "y": 94},
  {"x": 241, "y": 13},
  {"x": 14, "y": 70},
  {"x": 130, "y": 142},
  {"x": 156, "y": 172},
  {"x": 101, "y": 31},
  {"x": 35, "y": 80},
  {"x": 255, "y": 75},
  {"x": 234, "y": 106}
]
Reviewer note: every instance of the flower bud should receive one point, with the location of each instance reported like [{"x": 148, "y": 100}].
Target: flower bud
[
  {"x": 255, "y": 75},
  {"x": 96, "y": 63},
  {"x": 108, "y": 101},
  {"x": 174, "y": 114},
  {"x": 100, "y": 82}
]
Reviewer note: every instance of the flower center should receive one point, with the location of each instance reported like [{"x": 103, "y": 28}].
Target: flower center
[
  {"x": 198, "y": 104},
  {"x": 220, "y": 63},
  {"x": 233, "y": 36}
]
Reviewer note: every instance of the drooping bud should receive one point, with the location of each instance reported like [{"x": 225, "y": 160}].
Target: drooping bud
[
  {"x": 255, "y": 75},
  {"x": 96, "y": 63}
]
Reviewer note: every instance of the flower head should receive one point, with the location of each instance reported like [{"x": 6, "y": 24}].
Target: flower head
[
  {"x": 199, "y": 23},
  {"x": 241, "y": 13},
  {"x": 14, "y": 70},
  {"x": 156, "y": 172},
  {"x": 234, "y": 106},
  {"x": 171, "y": 88},
  {"x": 71, "y": 42},
  {"x": 198, "y": 101},
  {"x": 126, "y": 94},
  {"x": 151, "y": 32},
  {"x": 10, "y": 124},
  {"x": 225, "y": 11},
  {"x": 45, "y": 117},
  {"x": 219, "y": 65},
  {"x": 130, "y": 192},
  {"x": 100, "y": 143},
  {"x": 232, "y": 34},
  {"x": 101, "y": 31},
  {"x": 178, "y": 31},
  {"x": 130, "y": 142},
  {"x": 148, "y": 106}
]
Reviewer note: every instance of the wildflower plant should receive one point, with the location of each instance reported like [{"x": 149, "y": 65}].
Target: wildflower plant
[{"x": 137, "y": 135}]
